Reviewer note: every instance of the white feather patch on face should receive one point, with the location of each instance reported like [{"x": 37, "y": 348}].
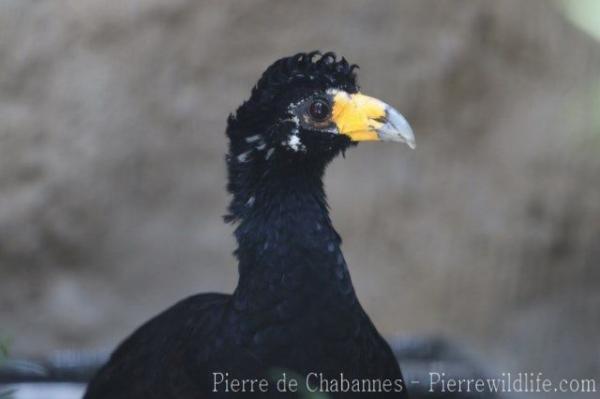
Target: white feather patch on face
[
  {"x": 294, "y": 143},
  {"x": 292, "y": 106},
  {"x": 252, "y": 139},
  {"x": 269, "y": 153},
  {"x": 243, "y": 157}
]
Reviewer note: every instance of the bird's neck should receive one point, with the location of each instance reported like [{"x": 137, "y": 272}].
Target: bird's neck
[{"x": 287, "y": 246}]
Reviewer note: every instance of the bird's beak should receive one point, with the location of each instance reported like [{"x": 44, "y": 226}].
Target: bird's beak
[{"x": 364, "y": 118}]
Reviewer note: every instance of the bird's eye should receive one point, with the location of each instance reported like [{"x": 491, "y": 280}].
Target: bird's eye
[{"x": 319, "y": 110}]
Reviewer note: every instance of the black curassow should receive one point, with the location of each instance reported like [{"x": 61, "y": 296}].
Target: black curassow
[{"x": 294, "y": 309}]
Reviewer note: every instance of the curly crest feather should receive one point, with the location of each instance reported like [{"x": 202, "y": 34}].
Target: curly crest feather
[
  {"x": 309, "y": 70},
  {"x": 314, "y": 69}
]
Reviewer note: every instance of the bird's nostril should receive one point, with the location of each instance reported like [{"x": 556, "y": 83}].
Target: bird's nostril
[{"x": 381, "y": 119}]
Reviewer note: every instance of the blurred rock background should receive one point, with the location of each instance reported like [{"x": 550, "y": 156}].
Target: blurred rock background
[{"x": 112, "y": 174}]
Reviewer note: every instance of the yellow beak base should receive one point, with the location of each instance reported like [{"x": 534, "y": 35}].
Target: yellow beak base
[
  {"x": 356, "y": 115},
  {"x": 364, "y": 118}
]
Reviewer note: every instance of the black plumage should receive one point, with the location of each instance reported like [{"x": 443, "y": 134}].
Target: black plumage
[{"x": 294, "y": 308}]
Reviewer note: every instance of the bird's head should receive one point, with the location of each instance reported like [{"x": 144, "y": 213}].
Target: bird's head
[
  {"x": 304, "y": 110},
  {"x": 309, "y": 105}
]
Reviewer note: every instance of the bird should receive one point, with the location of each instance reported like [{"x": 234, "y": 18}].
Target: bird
[{"x": 294, "y": 314}]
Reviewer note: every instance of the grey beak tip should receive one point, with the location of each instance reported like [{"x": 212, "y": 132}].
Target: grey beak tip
[{"x": 398, "y": 128}]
